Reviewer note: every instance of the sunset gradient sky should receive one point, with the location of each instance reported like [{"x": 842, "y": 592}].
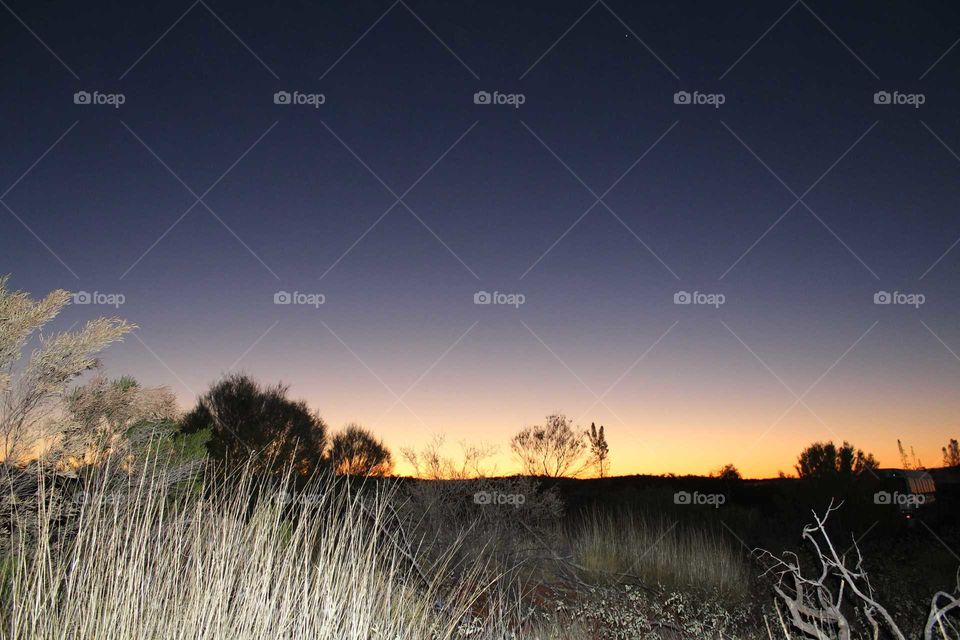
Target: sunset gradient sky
[{"x": 598, "y": 199}]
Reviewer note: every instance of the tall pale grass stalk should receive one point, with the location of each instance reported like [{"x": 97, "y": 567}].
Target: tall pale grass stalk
[
  {"x": 631, "y": 544},
  {"x": 236, "y": 560}
]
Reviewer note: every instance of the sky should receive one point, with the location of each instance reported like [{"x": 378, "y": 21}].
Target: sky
[{"x": 790, "y": 170}]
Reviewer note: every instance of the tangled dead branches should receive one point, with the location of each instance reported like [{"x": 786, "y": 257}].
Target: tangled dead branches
[{"x": 819, "y": 607}]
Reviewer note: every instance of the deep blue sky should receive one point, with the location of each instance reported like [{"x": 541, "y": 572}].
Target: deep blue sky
[{"x": 800, "y": 98}]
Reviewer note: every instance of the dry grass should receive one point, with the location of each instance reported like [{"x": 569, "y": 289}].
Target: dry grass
[
  {"x": 659, "y": 552},
  {"x": 144, "y": 563},
  {"x": 244, "y": 559}
]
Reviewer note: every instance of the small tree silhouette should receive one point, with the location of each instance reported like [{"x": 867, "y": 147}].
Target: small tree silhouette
[
  {"x": 826, "y": 461},
  {"x": 357, "y": 452},
  {"x": 727, "y": 472},
  {"x": 599, "y": 450},
  {"x": 909, "y": 461},
  {"x": 951, "y": 453}
]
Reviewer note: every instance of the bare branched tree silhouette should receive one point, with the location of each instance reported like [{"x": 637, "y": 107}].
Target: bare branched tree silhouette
[{"x": 553, "y": 449}]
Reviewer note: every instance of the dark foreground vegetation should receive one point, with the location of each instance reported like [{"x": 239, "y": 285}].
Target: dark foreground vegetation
[{"x": 168, "y": 549}]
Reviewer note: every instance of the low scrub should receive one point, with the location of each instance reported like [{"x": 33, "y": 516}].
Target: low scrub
[{"x": 630, "y": 545}]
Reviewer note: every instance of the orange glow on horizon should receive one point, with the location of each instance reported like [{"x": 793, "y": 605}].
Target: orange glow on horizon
[{"x": 503, "y": 463}]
